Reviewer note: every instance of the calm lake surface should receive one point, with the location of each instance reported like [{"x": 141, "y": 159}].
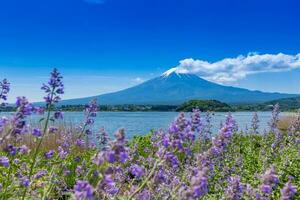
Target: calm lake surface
[{"x": 139, "y": 123}]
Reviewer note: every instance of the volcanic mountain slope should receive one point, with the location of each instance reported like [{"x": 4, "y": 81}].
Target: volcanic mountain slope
[{"x": 174, "y": 88}]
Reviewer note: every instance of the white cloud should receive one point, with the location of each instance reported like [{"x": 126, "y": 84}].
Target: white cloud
[
  {"x": 138, "y": 80},
  {"x": 233, "y": 69}
]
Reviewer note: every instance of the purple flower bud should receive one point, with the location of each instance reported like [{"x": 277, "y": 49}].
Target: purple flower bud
[
  {"x": 39, "y": 110},
  {"x": 288, "y": 192},
  {"x": 99, "y": 158},
  {"x": 4, "y": 89},
  {"x": 54, "y": 88},
  {"x": 40, "y": 174},
  {"x": 58, "y": 115},
  {"x": 79, "y": 170},
  {"x": 80, "y": 142},
  {"x": 37, "y": 132},
  {"x": 67, "y": 172},
  {"x": 266, "y": 189},
  {"x": 24, "y": 181},
  {"x": 143, "y": 195},
  {"x": 4, "y": 161},
  {"x": 111, "y": 157},
  {"x": 83, "y": 190},
  {"x": 88, "y": 132},
  {"x": 53, "y": 129},
  {"x": 49, "y": 154},
  {"x": 123, "y": 157},
  {"x": 24, "y": 149},
  {"x": 108, "y": 185},
  {"x": 62, "y": 153},
  {"x": 136, "y": 171},
  {"x": 235, "y": 188},
  {"x": 11, "y": 149}
]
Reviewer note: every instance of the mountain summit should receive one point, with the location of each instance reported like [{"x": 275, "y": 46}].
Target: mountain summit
[{"x": 174, "y": 88}]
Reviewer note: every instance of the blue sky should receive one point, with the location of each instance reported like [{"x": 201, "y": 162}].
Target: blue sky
[{"x": 107, "y": 45}]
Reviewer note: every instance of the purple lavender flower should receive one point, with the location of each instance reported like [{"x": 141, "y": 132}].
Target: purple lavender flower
[
  {"x": 79, "y": 170},
  {"x": 67, "y": 172},
  {"x": 255, "y": 123},
  {"x": 143, "y": 195},
  {"x": 160, "y": 176},
  {"x": 49, "y": 154},
  {"x": 53, "y": 129},
  {"x": 230, "y": 121},
  {"x": 39, "y": 110},
  {"x": 136, "y": 171},
  {"x": 40, "y": 174},
  {"x": 196, "y": 120},
  {"x": 99, "y": 158},
  {"x": 24, "y": 149},
  {"x": 90, "y": 112},
  {"x": 24, "y": 109},
  {"x": 295, "y": 125},
  {"x": 83, "y": 190},
  {"x": 4, "y": 161},
  {"x": 37, "y": 132},
  {"x": 4, "y": 89},
  {"x": 3, "y": 122},
  {"x": 103, "y": 138},
  {"x": 11, "y": 149},
  {"x": 24, "y": 181},
  {"x": 220, "y": 142},
  {"x": 199, "y": 183},
  {"x": 123, "y": 156},
  {"x": 207, "y": 125},
  {"x": 110, "y": 156},
  {"x": 275, "y": 118},
  {"x": 288, "y": 192},
  {"x": 62, "y": 153},
  {"x": 108, "y": 185},
  {"x": 80, "y": 142},
  {"x": 54, "y": 88},
  {"x": 267, "y": 189},
  {"x": 172, "y": 159},
  {"x": 117, "y": 151},
  {"x": 58, "y": 115},
  {"x": 269, "y": 182},
  {"x": 235, "y": 188}
]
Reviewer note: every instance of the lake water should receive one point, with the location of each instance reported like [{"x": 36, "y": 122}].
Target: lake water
[{"x": 139, "y": 123}]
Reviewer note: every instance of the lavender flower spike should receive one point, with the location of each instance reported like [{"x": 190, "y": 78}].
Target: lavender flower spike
[
  {"x": 83, "y": 190},
  {"x": 275, "y": 118},
  {"x": 4, "y": 89},
  {"x": 4, "y": 161},
  {"x": 54, "y": 88},
  {"x": 254, "y": 123},
  {"x": 288, "y": 192},
  {"x": 235, "y": 189}
]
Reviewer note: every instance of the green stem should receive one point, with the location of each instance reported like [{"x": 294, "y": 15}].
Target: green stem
[
  {"x": 157, "y": 162},
  {"x": 7, "y": 183},
  {"x": 48, "y": 191},
  {"x": 40, "y": 142}
]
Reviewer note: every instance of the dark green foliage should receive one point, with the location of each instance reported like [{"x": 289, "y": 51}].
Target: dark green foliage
[{"x": 204, "y": 105}]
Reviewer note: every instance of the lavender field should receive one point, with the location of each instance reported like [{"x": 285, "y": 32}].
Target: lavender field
[{"x": 190, "y": 158}]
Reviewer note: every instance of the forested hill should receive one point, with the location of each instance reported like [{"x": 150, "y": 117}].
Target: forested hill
[{"x": 205, "y": 105}]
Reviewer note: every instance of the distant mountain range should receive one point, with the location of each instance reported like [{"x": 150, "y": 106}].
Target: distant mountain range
[{"x": 173, "y": 88}]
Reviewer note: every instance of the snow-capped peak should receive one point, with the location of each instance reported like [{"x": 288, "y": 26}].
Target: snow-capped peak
[{"x": 171, "y": 71}]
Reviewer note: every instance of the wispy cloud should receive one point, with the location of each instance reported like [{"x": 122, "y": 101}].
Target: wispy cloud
[
  {"x": 138, "y": 80},
  {"x": 233, "y": 69},
  {"x": 95, "y": 1}
]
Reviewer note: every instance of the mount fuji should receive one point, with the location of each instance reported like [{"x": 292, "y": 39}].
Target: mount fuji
[{"x": 173, "y": 88}]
